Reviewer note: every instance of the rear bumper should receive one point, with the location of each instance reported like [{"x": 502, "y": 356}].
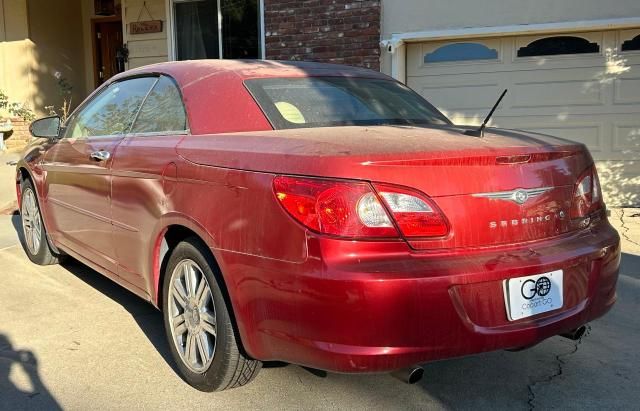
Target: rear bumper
[{"x": 376, "y": 307}]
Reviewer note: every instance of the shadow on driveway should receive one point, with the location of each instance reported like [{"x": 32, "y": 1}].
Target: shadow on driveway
[
  {"x": 22, "y": 366},
  {"x": 148, "y": 318}
]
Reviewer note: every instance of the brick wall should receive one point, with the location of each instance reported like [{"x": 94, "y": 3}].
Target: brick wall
[
  {"x": 330, "y": 31},
  {"x": 20, "y": 137}
]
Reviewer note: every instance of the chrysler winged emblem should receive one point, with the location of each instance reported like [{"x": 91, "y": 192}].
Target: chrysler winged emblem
[{"x": 519, "y": 196}]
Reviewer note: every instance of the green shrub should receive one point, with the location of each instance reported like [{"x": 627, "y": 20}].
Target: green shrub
[{"x": 16, "y": 109}]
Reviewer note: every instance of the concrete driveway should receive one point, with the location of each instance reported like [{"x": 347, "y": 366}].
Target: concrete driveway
[{"x": 70, "y": 338}]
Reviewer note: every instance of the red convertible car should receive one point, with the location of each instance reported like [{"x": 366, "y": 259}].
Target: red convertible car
[{"x": 320, "y": 215}]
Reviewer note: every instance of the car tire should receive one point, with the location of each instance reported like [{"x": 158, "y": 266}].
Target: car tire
[
  {"x": 35, "y": 240},
  {"x": 198, "y": 324}
]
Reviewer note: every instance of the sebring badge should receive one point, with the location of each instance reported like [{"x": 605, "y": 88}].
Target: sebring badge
[
  {"x": 519, "y": 196},
  {"x": 539, "y": 219}
]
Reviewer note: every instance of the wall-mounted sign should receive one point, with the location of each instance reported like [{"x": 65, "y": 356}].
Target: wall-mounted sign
[{"x": 145, "y": 27}]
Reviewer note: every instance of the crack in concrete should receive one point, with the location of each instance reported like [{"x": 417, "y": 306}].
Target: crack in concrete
[
  {"x": 625, "y": 229},
  {"x": 560, "y": 362}
]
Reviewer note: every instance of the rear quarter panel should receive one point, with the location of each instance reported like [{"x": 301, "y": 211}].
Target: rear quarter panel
[
  {"x": 239, "y": 211},
  {"x": 246, "y": 229}
]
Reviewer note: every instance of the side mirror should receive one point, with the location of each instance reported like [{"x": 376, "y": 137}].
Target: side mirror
[{"x": 47, "y": 127}]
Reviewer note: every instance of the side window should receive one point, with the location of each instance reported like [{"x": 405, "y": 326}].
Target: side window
[
  {"x": 162, "y": 111},
  {"x": 112, "y": 111}
]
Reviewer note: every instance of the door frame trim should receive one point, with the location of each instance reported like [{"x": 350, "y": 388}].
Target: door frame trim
[{"x": 94, "y": 44}]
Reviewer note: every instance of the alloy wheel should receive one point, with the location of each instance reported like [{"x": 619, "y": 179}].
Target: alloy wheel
[
  {"x": 31, "y": 222},
  {"x": 192, "y": 316}
]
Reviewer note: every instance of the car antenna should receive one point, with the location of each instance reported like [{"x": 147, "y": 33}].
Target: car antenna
[{"x": 480, "y": 131}]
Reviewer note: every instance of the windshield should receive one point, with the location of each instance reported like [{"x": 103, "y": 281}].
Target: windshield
[{"x": 341, "y": 101}]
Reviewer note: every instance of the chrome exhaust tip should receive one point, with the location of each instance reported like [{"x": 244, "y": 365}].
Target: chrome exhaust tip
[
  {"x": 409, "y": 375},
  {"x": 576, "y": 334}
]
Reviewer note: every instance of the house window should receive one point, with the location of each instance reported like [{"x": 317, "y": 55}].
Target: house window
[
  {"x": 633, "y": 44},
  {"x": 205, "y": 29},
  {"x": 461, "y": 52},
  {"x": 553, "y": 46}
]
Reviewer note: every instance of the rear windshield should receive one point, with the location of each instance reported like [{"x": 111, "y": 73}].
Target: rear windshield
[{"x": 341, "y": 101}]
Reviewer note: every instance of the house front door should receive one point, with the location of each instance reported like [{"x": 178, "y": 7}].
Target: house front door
[{"x": 108, "y": 50}]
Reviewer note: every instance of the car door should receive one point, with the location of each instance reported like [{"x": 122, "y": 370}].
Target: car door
[
  {"x": 144, "y": 174},
  {"x": 78, "y": 171}
]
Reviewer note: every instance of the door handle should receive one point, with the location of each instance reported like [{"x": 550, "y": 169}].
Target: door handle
[{"x": 101, "y": 155}]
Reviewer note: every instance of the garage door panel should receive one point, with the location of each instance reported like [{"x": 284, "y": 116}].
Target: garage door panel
[
  {"x": 461, "y": 97},
  {"x": 609, "y": 137},
  {"x": 508, "y": 62},
  {"x": 557, "y": 94},
  {"x": 626, "y": 140},
  {"x": 620, "y": 181},
  {"x": 627, "y": 90},
  {"x": 592, "y": 98},
  {"x": 591, "y": 134},
  {"x": 467, "y": 68},
  {"x": 556, "y": 114},
  {"x": 532, "y": 72}
]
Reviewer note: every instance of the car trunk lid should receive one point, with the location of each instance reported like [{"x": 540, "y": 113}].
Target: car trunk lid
[{"x": 506, "y": 187}]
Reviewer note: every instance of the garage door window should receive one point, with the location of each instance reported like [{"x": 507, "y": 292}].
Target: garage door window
[
  {"x": 631, "y": 45},
  {"x": 461, "y": 52},
  {"x": 558, "y": 45}
]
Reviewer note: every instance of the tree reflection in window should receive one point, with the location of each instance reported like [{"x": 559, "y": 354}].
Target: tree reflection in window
[
  {"x": 112, "y": 111},
  {"x": 461, "y": 52},
  {"x": 633, "y": 44},
  {"x": 162, "y": 111},
  {"x": 553, "y": 46}
]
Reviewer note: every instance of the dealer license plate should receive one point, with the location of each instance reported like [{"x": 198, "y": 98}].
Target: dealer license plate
[{"x": 532, "y": 295}]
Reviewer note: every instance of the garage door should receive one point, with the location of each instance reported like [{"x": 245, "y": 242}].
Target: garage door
[{"x": 581, "y": 86}]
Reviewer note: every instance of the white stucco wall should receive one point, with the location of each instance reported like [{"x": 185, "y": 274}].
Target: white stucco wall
[
  {"x": 16, "y": 52},
  {"x": 400, "y": 16},
  {"x": 35, "y": 48}
]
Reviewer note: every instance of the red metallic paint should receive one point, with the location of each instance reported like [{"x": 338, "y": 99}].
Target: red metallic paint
[
  {"x": 77, "y": 191},
  {"x": 334, "y": 304}
]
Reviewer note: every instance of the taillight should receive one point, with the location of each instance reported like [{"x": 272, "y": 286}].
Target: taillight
[
  {"x": 414, "y": 213},
  {"x": 353, "y": 209},
  {"x": 587, "y": 196},
  {"x": 340, "y": 208}
]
